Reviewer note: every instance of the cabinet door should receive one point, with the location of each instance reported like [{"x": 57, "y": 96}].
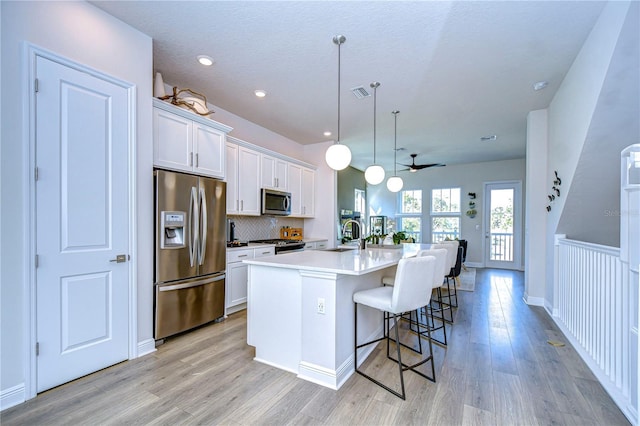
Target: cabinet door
[
  {"x": 274, "y": 173},
  {"x": 249, "y": 182},
  {"x": 172, "y": 136},
  {"x": 233, "y": 204},
  {"x": 209, "y": 151},
  {"x": 268, "y": 172},
  {"x": 321, "y": 245},
  {"x": 308, "y": 192},
  {"x": 295, "y": 188},
  {"x": 281, "y": 173},
  {"x": 236, "y": 291}
]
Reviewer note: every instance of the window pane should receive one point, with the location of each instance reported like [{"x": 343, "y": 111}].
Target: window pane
[
  {"x": 411, "y": 226},
  {"x": 445, "y": 200},
  {"x": 360, "y": 202},
  {"x": 412, "y": 201},
  {"x": 443, "y": 227}
]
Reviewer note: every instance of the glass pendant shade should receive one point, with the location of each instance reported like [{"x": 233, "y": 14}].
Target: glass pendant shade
[
  {"x": 374, "y": 174},
  {"x": 394, "y": 183},
  {"x": 338, "y": 156}
]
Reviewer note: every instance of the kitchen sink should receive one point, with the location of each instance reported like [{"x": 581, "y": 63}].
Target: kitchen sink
[{"x": 342, "y": 249}]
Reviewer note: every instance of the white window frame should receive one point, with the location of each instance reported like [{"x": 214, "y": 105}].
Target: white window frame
[
  {"x": 418, "y": 215},
  {"x": 445, "y": 214}
]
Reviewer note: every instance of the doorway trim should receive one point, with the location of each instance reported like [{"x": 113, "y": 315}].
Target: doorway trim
[
  {"x": 518, "y": 219},
  {"x": 30, "y": 53}
]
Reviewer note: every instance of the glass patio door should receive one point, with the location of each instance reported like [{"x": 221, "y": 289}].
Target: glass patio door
[{"x": 503, "y": 213}]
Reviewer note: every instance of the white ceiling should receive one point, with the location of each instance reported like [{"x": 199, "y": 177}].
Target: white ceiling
[{"x": 457, "y": 71}]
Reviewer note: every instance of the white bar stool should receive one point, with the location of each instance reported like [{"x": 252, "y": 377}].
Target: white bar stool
[
  {"x": 452, "y": 250},
  {"x": 441, "y": 267},
  {"x": 407, "y": 294}
]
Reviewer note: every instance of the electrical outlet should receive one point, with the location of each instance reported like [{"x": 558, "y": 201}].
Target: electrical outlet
[{"x": 320, "y": 305}]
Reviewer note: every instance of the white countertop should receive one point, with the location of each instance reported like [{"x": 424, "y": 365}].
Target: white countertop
[
  {"x": 349, "y": 262},
  {"x": 313, "y": 240}
]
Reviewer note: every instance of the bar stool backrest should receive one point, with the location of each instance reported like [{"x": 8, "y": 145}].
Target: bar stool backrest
[
  {"x": 440, "y": 269},
  {"x": 408, "y": 295},
  {"x": 452, "y": 252}
]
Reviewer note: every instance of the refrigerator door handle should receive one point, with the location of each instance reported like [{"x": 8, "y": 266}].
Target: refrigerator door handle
[
  {"x": 203, "y": 225},
  {"x": 190, "y": 284},
  {"x": 193, "y": 225}
]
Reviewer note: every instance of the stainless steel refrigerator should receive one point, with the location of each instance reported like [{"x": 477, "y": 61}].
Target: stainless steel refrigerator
[{"x": 190, "y": 251}]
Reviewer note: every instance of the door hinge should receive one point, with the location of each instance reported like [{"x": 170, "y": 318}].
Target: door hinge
[
  {"x": 37, "y": 261},
  {"x": 37, "y": 348},
  {"x": 35, "y": 173},
  {"x": 35, "y": 85}
]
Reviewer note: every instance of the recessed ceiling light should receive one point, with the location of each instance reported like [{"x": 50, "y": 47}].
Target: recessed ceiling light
[
  {"x": 488, "y": 138},
  {"x": 260, "y": 93},
  {"x": 327, "y": 133},
  {"x": 539, "y": 85},
  {"x": 205, "y": 60}
]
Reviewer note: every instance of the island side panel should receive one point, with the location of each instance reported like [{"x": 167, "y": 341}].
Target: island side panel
[
  {"x": 327, "y": 339},
  {"x": 273, "y": 316},
  {"x": 370, "y": 324},
  {"x": 318, "y": 350}
]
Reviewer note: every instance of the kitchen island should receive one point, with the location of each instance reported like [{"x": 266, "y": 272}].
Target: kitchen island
[{"x": 300, "y": 308}]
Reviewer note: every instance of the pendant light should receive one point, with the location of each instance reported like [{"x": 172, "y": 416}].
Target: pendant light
[
  {"x": 374, "y": 173},
  {"x": 394, "y": 183},
  {"x": 338, "y": 156}
]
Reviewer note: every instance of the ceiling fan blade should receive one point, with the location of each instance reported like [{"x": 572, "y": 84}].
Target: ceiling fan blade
[{"x": 424, "y": 166}]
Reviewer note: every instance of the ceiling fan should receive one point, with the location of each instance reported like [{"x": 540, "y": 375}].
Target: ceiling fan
[{"x": 413, "y": 167}]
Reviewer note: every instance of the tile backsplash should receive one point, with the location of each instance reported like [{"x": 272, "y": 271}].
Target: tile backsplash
[{"x": 262, "y": 227}]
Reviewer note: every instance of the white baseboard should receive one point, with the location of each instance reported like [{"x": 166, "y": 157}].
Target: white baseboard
[
  {"x": 146, "y": 347},
  {"x": 533, "y": 301},
  {"x": 12, "y": 397},
  {"x": 473, "y": 264}
]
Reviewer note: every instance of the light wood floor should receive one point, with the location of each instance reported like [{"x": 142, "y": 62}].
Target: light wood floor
[{"x": 497, "y": 370}]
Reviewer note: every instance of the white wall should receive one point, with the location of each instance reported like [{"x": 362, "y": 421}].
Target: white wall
[
  {"x": 469, "y": 177},
  {"x": 571, "y": 112},
  {"x": 324, "y": 223},
  {"x": 535, "y": 207},
  {"x": 82, "y": 33},
  {"x": 257, "y": 135}
]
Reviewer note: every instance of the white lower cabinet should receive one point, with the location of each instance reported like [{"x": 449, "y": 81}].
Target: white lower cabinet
[
  {"x": 237, "y": 275},
  {"x": 316, "y": 245}
]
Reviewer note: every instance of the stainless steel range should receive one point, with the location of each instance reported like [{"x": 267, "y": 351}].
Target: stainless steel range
[{"x": 283, "y": 246}]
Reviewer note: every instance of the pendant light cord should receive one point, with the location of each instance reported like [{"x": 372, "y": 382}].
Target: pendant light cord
[
  {"x": 374, "y": 86},
  {"x": 339, "y": 44},
  {"x": 375, "y": 92},
  {"x": 395, "y": 139}
]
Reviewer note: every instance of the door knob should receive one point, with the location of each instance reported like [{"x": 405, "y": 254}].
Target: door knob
[{"x": 119, "y": 258}]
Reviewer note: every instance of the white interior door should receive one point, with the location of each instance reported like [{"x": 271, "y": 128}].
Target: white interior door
[
  {"x": 503, "y": 222},
  {"x": 82, "y": 223}
]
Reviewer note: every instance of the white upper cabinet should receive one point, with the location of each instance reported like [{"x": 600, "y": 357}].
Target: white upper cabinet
[
  {"x": 184, "y": 141},
  {"x": 295, "y": 188},
  {"x": 308, "y": 192},
  {"x": 209, "y": 151},
  {"x": 243, "y": 180},
  {"x": 274, "y": 173},
  {"x": 302, "y": 189}
]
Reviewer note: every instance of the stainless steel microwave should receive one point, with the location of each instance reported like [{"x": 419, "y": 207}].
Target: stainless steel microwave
[{"x": 276, "y": 203}]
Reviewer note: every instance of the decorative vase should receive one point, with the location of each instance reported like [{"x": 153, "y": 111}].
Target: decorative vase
[{"x": 158, "y": 86}]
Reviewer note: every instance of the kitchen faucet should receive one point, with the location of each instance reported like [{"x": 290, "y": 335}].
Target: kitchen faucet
[{"x": 361, "y": 242}]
